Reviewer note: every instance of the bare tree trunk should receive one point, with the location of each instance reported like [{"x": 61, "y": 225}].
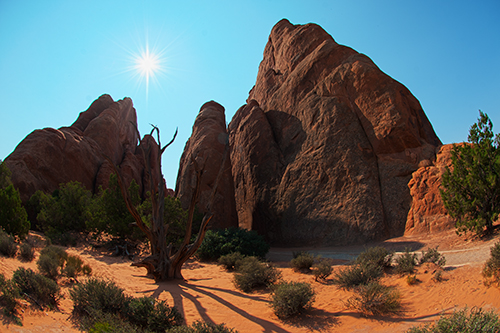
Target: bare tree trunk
[{"x": 162, "y": 264}]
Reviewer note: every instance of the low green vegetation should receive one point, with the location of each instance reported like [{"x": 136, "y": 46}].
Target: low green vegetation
[
  {"x": 433, "y": 256},
  {"x": 253, "y": 274},
  {"x": 8, "y": 245},
  {"x": 357, "y": 274},
  {"x": 26, "y": 252},
  {"x": 406, "y": 262},
  {"x": 231, "y": 261},
  {"x": 322, "y": 269},
  {"x": 302, "y": 262},
  {"x": 378, "y": 256},
  {"x": 375, "y": 299},
  {"x": 475, "y": 320},
  {"x": 289, "y": 299},
  {"x": 222, "y": 242},
  {"x": 54, "y": 262},
  {"x": 202, "y": 327},
  {"x": 491, "y": 270}
]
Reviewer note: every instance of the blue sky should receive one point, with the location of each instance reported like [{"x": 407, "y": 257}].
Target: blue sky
[{"x": 56, "y": 57}]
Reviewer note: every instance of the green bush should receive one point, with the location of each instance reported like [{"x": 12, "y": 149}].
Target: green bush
[
  {"x": 378, "y": 256},
  {"x": 51, "y": 261},
  {"x": 222, "y": 242},
  {"x": 405, "y": 264},
  {"x": 322, "y": 269},
  {"x": 476, "y": 320},
  {"x": 433, "y": 256},
  {"x": 231, "y": 261},
  {"x": 302, "y": 262},
  {"x": 357, "y": 274},
  {"x": 101, "y": 322},
  {"x": 74, "y": 267},
  {"x": 8, "y": 246},
  {"x": 253, "y": 274},
  {"x": 9, "y": 297},
  {"x": 491, "y": 270},
  {"x": 42, "y": 290},
  {"x": 96, "y": 295},
  {"x": 201, "y": 327},
  {"x": 291, "y": 298},
  {"x": 26, "y": 252},
  {"x": 375, "y": 299},
  {"x": 13, "y": 216},
  {"x": 152, "y": 314}
]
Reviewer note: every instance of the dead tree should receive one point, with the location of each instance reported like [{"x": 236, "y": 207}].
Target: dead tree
[{"x": 164, "y": 263}]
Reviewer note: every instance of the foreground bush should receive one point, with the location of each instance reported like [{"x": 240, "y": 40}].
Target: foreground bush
[
  {"x": 302, "y": 262},
  {"x": 322, "y": 270},
  {"x": 433, "y": 256},
  {"x": 54, "y": 262},
  {"x": 375, "y": 299},
  {"x": 291, "y": 298},
  {"x": 152, "y": 314},
  {"x": 231, "y": 261},
  {"x": 8, "y": 246},
  {"x": 476, "y": 321},
  {"x": 253, "y": 274},
  {"x": 222, "y": 242},
  {"x": 98, "y": 296},
  {"x": 356, "y": 275},
  {"x": 491, "y": 270},
  {"x": 9, "y": 295},
  {"x": 40, "y": 289},
  {"x": 378, "y": 256},
  {"x": 201, "y": 327},
  {"x": 405, "y": 264}
]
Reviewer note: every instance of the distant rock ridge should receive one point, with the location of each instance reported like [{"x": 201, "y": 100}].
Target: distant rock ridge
[{"x": 49, "y": 157}]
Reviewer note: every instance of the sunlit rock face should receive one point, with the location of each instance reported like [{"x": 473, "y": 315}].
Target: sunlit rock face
[
  {"x": 325, "y": 147},
  {"x": 204, "y": 153},
  {"x": 49, "y": 157}
]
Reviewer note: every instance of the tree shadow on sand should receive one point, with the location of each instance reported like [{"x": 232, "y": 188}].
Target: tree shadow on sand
[{"x": 184, "y": 290}]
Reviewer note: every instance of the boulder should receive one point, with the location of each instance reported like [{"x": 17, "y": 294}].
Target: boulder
[
  {"x": 427, "y": 213},
  {"x": 325, "y": 147},
  {"x": 49, "y": 157},
  {"x": 204, "y": 151}
]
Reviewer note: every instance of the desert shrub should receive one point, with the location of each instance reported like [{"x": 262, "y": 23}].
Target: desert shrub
[
  {"x": 433, "y": 256},
  {"x": 291, "y": 298},
  {"x": 438, "y": 275},
  {"x": 254, "y": 274},
  {"x": 97, "y": 295},
  {"x": 491, "y": 270},
  {"x": 302, "y": 262},
  {"x": 378, "y": 256},
  {"x": 231, "y": 261},
  {"x": 152, "y": 314},
  {"x": 41, "y": 290},
  {"x": 411, "y": 279},
  {"x": 202, "y": 327},
  {"x": 357, "y": 274},
  {"x": 13, "y": 216},
  {"x": 375, "y": 299},
  {"x": 405, "y": 264},
  {"x": 476, "y": 320},
  {"x": 221, "y": 242},
  {"x": 9, "y": 297},
  {"x": 51, "y": 261},
  {"x": 322, "y": 269},
  {"x": 27, "y": 252},
  {"x": 101, "y": 322},
  {"x": 8, "y": 246},
  {"x": 74, "y": 267}
]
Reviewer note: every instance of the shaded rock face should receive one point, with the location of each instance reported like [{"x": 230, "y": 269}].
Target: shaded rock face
[
  {"x": 49, "y": 157},
  {"x": 325, "y": 147},
  {"x": 204, "y": 151},
  {"x": 427, "y": 213}
]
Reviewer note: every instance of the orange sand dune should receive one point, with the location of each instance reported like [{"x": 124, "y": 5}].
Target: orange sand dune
[{"x": 207, "y": 293}]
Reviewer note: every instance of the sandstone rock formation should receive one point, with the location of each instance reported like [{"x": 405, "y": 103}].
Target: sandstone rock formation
[
  {"x": 325, "y": 147},
  {"x": 204, "y": 151},
  {"x": 427, "y": 213},
  {"x": 48, "y": 157}
]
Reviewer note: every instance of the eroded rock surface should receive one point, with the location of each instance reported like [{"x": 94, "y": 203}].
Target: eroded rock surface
[{"x": 325, "y": 147}]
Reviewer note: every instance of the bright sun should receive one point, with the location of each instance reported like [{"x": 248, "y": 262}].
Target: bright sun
[{"x": 147, "y": 64}]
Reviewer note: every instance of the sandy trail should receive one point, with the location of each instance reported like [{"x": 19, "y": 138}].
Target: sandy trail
[{"x": 208, "y": 294}]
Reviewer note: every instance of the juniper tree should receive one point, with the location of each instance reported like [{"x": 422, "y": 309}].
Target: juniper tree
[{"x": 471, "y": 188}]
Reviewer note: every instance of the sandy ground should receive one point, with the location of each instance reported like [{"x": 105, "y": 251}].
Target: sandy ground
[{"x": 208, "y": 294}]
